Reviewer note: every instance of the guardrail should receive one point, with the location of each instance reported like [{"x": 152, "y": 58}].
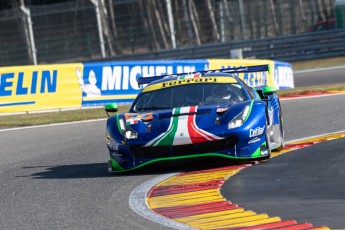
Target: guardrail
[{"x": 285, "y": 48}]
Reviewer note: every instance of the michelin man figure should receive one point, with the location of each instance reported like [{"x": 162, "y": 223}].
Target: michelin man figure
[{"x": 90, "y": 89}]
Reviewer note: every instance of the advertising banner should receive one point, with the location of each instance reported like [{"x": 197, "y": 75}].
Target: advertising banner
[
  {"x": 47, "y": 87},
  {"x": 251, "y": 79},
  {"x": 42, "y": 87},
  {"x": 283, "y": 75},
  {"x": 107, "y": 82}
]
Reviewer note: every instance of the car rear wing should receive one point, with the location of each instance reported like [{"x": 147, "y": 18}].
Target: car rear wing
[{"x": 244, "y": 69}]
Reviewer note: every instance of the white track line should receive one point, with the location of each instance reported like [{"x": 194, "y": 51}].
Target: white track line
[
  {"x": 54, "y": 124},
  {"x": 316, "y": 136},
  {"x": 319, "y": 69},
  {"x": 138, "y": 203}
]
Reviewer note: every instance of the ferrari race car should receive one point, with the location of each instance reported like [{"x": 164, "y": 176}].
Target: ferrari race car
[{"x": 207, "y": 113}]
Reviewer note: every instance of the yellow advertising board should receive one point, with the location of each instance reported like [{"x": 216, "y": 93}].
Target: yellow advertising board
[
  {"x": 42, "y": 87},
  {"x": 251, "y": 79}
]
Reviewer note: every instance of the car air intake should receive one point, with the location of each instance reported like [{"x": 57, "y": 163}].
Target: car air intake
[{"x": 183, "y": 150}]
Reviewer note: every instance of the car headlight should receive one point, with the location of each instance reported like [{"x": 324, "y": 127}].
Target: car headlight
[
  {"x": 239, "y": 119},
  {"x": 130, "y": 134},
  {"x": 127, "y": 131}
]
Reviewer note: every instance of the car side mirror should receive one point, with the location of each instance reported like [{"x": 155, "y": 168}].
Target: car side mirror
[
  {"x": 111, "y": 108},
  {"x": 268, "y": 90}
]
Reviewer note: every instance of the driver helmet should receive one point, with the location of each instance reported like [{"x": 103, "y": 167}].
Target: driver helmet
[{"x": 222, "y": 91}]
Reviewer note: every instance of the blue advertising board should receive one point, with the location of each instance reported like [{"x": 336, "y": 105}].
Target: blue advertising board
[
  {"x": 283, "y": 75},
  {"x": 106, "y": 82}
]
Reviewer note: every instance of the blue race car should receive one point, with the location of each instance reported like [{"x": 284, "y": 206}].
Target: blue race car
[{"x": 207, "y": 113}]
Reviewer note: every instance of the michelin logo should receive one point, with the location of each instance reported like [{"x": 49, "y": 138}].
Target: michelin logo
[
  {"x": 256, "y": 132},
  {"x": 125, "y": 77}
]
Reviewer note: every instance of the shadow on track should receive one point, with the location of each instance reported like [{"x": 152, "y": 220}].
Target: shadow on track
[{"x": 98, "y": 170}]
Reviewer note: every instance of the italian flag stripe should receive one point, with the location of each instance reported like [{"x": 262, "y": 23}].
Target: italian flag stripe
[
  {"x": 183, "y": 130},
  {"x": 198, "y": 135}
]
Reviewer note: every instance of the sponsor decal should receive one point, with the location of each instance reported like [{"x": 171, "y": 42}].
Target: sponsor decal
[
  {"x": 196, "y": 75},
  {"x": 256, "y": 132},
  {"x": 131, "y": 121},
  {"x": 221, "y": 110},
  {"x": 189, "y": 81},
  {"x": 256, "y": 139},
  {"x": 133, "y": 118}
]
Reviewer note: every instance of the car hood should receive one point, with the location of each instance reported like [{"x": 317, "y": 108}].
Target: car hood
[{"x": 182, "y": 125}]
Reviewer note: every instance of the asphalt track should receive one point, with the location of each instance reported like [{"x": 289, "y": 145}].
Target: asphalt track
[
  {"x": 306, "y": 185},
  {"x": 334, "y": 75},
  {"x": 55, "y": 177}
]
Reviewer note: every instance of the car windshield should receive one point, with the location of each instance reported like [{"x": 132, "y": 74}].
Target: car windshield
[{"x": 189, "y": 95}]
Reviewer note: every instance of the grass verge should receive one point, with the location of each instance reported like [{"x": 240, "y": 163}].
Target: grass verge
[{"x": 312, "y": 89}]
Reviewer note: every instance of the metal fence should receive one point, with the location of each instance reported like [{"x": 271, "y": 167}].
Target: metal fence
[
  {"x": 284, "y": 48},
  {"x": 84, "y": 30}
]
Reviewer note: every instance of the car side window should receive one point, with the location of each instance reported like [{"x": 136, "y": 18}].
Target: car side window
[{"x": 249, "y": 90}]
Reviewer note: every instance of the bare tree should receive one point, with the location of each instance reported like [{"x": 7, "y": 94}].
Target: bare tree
[
  {"x": 274, "y": 17},
  {"x": 230, "y": 19},
  {"x": 160, "y": 22},
  {"x": 215, "y": 32},
  {"x": 113, "y": 25},
  {"x": 258, "y": 19},
  {"x": 151, "y": 25},
  {"x": 105, "y": 25},
  {"x": 193, "y": 16},
  {"x": 186, "y": 17},
  {"x": 301, "y": 8},
  {"x": 177, "y": 11},
  {"x": 24, "y": 25}
]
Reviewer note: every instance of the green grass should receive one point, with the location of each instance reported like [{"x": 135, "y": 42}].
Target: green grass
[{"x": 10, "y": 121}]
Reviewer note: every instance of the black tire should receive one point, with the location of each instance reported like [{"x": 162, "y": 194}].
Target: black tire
[
  {"x": 264, "y": 159},
  {"x": 282, "y": 143},
  {"x": 268, "y": 144}
]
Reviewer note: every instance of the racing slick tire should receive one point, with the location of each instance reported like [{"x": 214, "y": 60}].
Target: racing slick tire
[
  {"x": 281, "y": 129},
  {"x": 268, "y": 147}
]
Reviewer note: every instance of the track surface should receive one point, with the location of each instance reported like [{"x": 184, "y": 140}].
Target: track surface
[
  {"x": 320, "y": 77},
  {"x": 306, "y": 185},
  {"x": 55, "y": 177}
]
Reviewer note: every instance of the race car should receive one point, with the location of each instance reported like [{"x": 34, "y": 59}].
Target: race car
[{"x": 199, "y": 114}]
